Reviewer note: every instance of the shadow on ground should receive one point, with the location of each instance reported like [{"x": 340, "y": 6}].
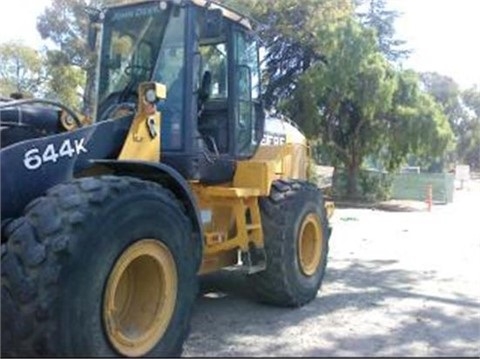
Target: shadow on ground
[
  {"x": 228, "y": 322},
  {"x": 387, "y": 206}
]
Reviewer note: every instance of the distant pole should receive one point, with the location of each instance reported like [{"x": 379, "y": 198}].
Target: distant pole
[{"x": 429, "y": 197}]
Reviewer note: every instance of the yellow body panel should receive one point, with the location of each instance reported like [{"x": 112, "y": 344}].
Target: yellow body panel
[
  {"x": 143, "y": 139},
  {"x": 212, "y": 263},
  {"x": 256, "y": 175},
  {"x": 271, "y": 163},
  {"x": 229, "y": 192},
  {"x": 290, "y": 160},
  {"x": 228, "y": 230},
  {"x": 139, "y": 145},
  {"x": 234, "y": 224}
]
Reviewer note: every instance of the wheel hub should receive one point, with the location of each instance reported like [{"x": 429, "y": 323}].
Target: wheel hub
[
  {"x": 310, "y": 245},
  {"x": 140, "y": 297}
]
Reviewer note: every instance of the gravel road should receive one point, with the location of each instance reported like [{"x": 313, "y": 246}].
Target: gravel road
[{"x": 397, "y": 284}]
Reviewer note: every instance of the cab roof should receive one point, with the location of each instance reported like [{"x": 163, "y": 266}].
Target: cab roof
[{"x": 227, "y": 12}]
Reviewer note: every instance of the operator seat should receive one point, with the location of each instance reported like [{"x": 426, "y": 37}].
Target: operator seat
[{"x": 205, "y": 91}]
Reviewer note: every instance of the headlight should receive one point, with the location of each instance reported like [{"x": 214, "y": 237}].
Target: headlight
[{"x": 150, "y": 96}]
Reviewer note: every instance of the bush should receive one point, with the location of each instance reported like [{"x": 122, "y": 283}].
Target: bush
[{"x": 372, "y": 185}]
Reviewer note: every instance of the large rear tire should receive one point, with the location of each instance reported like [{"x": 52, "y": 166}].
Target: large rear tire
[
  {"x": 296, "y": 235},
  {"x": 99, "y": 267}
]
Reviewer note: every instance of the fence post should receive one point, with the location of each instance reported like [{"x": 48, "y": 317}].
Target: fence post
[{"x": 429, "y": 197}]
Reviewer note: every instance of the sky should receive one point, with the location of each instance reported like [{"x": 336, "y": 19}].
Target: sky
[{"x": 444, "y": 35}]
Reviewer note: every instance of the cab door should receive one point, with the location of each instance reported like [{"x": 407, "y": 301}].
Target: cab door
[{"x": 248, "y": 110}]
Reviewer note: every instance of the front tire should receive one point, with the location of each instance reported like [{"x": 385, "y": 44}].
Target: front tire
[
  {"x": 296, "y": 235},
  {"x": 99, "y": 267}
]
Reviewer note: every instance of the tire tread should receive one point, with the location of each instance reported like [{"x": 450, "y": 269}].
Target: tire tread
[
  {"x": 38, "y": 244},
  {"x": 274, "y": 286}
]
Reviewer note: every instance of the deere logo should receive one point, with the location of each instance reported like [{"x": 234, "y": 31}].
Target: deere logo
[{"x": 273, "y": 139}]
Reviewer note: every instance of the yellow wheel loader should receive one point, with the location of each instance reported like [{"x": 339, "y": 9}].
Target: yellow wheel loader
[{"x": 107, "y": 224}]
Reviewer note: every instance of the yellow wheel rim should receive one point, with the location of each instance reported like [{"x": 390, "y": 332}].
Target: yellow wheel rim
[
  {"x": 140, "y": 297},
  {"x": 310, "y": 245}
]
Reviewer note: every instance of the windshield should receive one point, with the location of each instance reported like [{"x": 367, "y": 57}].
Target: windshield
[
  {"x": 131, "y": 44},
  {"x": 145, "y": 42}
]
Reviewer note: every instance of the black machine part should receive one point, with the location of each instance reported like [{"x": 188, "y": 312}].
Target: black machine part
[
  {"x": 31, "y": 118},
  {"x": 63, "y": 267}
]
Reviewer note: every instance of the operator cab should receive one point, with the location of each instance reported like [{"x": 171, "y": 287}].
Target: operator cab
[{"x": 207, "y": 56}]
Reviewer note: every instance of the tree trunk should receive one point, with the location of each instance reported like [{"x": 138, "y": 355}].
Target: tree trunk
[{"x": 352, "y": 181}]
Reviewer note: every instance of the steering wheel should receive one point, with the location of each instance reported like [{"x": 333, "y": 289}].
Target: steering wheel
[
  {"x": 114, "y": 101},
  {"x": 113, "y": 110}
]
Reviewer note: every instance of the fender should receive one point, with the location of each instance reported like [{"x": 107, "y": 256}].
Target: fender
[
  {"x": 29, "y": 168},
  {"x": 166, "y": 176}
]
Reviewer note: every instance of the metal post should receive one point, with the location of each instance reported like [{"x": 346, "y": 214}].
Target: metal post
[{"x": 429, "y": 197}]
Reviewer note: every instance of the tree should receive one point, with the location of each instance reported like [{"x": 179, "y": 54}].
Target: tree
[
  {"x": 358, "y": 106},
  {"x": 21, "y": 69},
  {"x": 65, "y": 83},
  {"x": 462, "y": 110},
  {"x": 330, "y": 73},
  {"x": 471, "y": 99},
  {"x": 65, "y": 23},
  {"x": 468, "y": 148},
  {"x": 38, "y": 74},
  {"x": 341, "y": 102},
  {"x": 418, "y": 125},
  {"x": 447, "y": 93},
  {"x": 382, "y": 20},
  {"x": 292, "y": 32}
]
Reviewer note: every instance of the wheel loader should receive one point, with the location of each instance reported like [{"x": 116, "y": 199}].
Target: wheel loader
[{"x": 109, "y": 221}]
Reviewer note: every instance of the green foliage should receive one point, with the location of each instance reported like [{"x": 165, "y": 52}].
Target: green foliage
[
  {"x": 330, "y": 71},
  {"x": 418, "y": 125},
  {"x": 372, "y": 186},
  {"x": 468, "y": 148},
  {"x": 21, "y": 69},
  {"x": 471, "y": 99},
  {"x": 447, "y": 94},
  {"x": 343, "y": 102},
  {"x": 293, "y": 34},
  {"x": 38, "y": 74},
  {"x": 462, "y": 110},
  {"x": 65, "y": 83},
  {"x": 65, "y": 23},
  {"x": 376, "y": 186},
  {"x": 382, "y": 20}
]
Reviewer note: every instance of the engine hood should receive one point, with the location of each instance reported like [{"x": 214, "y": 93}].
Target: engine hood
[{"x": 280, "y": 130}]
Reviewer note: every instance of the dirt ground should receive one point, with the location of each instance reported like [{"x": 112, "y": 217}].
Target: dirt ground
[{"x": 397, "y": 284}]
